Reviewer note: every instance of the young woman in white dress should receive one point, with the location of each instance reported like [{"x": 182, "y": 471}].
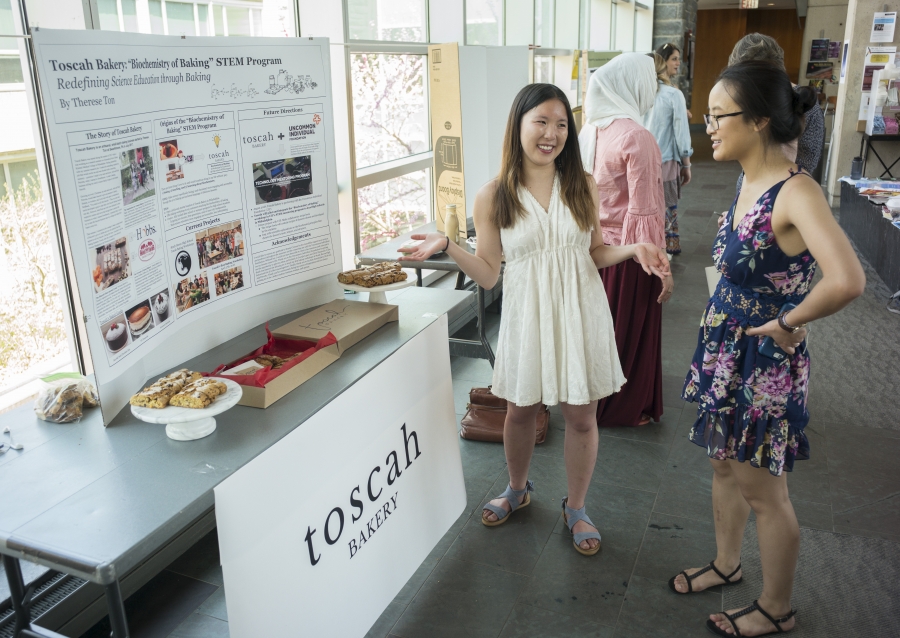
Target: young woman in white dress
[{"x": 556, "y": 342}]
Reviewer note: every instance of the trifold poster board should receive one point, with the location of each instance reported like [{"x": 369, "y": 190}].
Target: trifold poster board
[
  {"x": 319, "y": 532},
  {"x": 197, "y": 185},
  {"x": 472, "y": 89},
  {"x": 446, "y": 133}
]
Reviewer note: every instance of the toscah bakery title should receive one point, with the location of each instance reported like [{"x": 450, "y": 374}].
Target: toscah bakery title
[{"x": 333, "y": 527}]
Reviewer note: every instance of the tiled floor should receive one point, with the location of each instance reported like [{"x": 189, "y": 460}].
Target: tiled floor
[{"x": 650, "y": 496}]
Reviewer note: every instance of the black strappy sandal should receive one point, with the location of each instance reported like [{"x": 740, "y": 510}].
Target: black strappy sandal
[
  {"x": 711, "y": 566},
  {"x": 713, "y": 627}
]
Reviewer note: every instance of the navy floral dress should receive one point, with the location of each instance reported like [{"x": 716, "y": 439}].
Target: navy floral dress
[{"x": 752, "y": 408}]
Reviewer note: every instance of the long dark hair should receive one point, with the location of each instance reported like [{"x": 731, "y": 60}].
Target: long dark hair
[
  {"x": 574, "y": 190},
  {"x": 762, "y": 90}
]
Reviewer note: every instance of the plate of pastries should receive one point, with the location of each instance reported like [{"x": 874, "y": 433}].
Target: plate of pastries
[
  {"x": 184, "y": 392},
  {"x": 384, "y": 274}
]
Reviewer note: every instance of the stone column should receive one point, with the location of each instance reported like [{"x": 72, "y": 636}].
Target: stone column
[
  {"x": 671, "y": 18},
  {"x": 847, "y": 137}
]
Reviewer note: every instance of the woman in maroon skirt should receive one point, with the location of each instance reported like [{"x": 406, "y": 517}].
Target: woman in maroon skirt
[{"x": 625, "y": 161}]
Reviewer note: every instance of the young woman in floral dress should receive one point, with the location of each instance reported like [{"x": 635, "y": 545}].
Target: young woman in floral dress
[{"x": 753, "y": 407}]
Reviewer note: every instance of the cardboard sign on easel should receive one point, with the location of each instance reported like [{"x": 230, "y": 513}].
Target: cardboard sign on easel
[{"x": 446, "y": 131}]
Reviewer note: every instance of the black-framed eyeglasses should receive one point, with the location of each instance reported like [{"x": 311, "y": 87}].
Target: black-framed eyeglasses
[{"x": 709, "y": 119}]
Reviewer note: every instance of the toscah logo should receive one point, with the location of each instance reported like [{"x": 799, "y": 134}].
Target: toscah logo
[
  {"x": 335, "y": 518},
  {"x": 147, "y": 250}
]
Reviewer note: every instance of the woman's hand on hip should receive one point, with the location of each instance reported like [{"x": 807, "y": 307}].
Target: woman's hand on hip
[
  {"x": 787, "y": 341},
  {"x": 432, "y": 243},
  {"x": 653, "y": 260}
]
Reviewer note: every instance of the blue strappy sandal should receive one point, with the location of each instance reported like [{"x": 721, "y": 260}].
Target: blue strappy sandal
[
  {"x": 570, "y": 517},
  {"x": 512, "y": 497}
]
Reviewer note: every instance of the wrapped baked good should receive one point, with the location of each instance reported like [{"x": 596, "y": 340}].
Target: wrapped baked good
[
  {"x": 64, "y": 398},
  {"x": 90, "y": 397}
]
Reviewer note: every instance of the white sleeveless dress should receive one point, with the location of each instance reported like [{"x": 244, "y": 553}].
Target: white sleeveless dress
[{"x": 557, "y": 343}]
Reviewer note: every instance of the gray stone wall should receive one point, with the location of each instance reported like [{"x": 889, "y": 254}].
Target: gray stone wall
[{"x": 671, "y": 18}]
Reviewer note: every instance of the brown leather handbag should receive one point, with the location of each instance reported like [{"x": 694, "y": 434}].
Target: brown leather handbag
[{"x": 486, "y": 414}]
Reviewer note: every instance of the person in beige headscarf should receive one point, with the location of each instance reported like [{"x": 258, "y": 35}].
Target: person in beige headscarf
[{"x": 625, "y": 161}]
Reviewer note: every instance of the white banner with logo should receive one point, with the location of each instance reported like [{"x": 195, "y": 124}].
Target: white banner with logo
[
  {"x": 321, "y": 531},
  {"x": 194, "y": 173}
]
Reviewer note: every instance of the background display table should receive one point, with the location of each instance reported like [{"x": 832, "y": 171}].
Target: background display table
[
  {"x": 107, "y": 504},
  {"x": 867, "y": 144},
  {"x": 388, "y": 251},
  {"x": 875, "y": 237}
]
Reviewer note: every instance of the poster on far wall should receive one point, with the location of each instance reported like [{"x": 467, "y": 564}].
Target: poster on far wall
[
  {"x": 868, "y": 73},
  {"x": 876, "y": 59},
  {"x": 834, "y": 50},
  {"x": 883, "y": 27},
  {"x": 844, "y": 58},
  {"x": 818, "y": 50},
  {"x": 819, "y": 70}
]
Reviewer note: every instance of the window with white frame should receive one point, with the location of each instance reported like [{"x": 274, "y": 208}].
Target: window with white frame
[
  {"x": 392, "y": 144},
  {"x": 392, "y": 20},
  {"x": 10, "y": 68},
  {"x": 32, "y": 329},
  {"x": 543, "y": 68},
  {"x": 484, "y": 22},
  {"x": 168, "y": 17}
]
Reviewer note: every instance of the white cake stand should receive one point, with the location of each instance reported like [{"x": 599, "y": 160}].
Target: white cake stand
[
  {"x": 376, "y": 293},
  {"x": 188, "y": 424}
]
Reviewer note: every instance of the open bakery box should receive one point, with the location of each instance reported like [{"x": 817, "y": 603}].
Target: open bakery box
[{"x": 302, "y": 348}]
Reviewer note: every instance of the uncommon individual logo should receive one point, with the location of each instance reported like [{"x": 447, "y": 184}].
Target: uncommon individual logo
[{"x": 333, "y": 527}]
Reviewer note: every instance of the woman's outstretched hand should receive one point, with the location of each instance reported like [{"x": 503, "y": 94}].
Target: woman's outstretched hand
[
  {"x": 432, "y": 243},
  {"x": 652, "y": 259}
]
